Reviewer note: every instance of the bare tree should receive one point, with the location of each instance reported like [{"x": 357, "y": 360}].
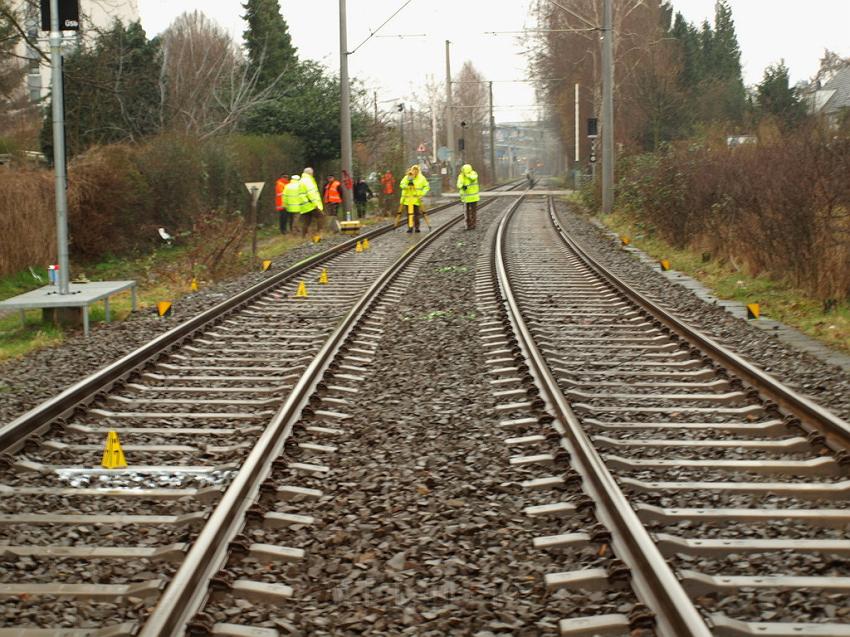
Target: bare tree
[
  {"x": 471, "y": 102},
  {"x": 206, "y": 85},
  {"x": 568, "y": 52}
]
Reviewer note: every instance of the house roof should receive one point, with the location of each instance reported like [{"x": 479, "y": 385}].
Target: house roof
[{"x": 836, "y": 91}]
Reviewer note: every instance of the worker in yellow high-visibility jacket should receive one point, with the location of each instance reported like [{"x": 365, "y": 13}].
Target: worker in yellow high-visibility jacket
[
  {"x": 467, "y": 186},
  {"x": 414, "y": 186},
  {"x": 311, "y": 211}
]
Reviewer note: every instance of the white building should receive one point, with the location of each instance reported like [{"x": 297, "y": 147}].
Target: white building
[{"x": 95, "y": 15}]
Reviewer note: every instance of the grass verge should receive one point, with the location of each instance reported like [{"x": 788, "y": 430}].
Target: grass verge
[{"x": 778, "y": 300}]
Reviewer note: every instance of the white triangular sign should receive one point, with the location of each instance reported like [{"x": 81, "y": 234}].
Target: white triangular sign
[{"x": 255, "y": 188}]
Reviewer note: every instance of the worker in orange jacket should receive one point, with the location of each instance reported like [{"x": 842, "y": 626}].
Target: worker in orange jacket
[
  {"x": 284, "y": 218},
  {"x": 387, "y": 190},
  {"x": 332, "y": 196}
]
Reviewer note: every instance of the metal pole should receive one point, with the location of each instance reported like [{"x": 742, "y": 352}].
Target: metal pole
[
  {"x": 59, "y": 168},
  {"x": 375, "y": 98},
  {"x": 254, "y": 198},
  {"x": 608, "y": 108},
  {"x": 492, "y": 137},
  {"x": 578, "y": 128},
  {"x": 450, "y": 127},
  {"x": 345, "y": 108},
  {"x": 433, "y": 133},
  {"x": 403, "y": 153}
]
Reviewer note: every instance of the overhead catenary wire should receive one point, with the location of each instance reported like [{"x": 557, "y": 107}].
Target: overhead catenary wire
[{"x": 383, "y": 24}]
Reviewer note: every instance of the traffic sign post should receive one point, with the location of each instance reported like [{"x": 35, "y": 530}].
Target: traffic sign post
[{"x": 255, "y": 188}]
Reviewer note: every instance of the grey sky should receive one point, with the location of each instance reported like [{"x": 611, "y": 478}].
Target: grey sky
[{"x": 767, "y": 29}]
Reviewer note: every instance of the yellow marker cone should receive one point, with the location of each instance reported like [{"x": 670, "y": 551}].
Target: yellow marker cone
[
  {"x": 665, "y": 264},
  {"x": 365, "y": 243},
  {"x": 753, "y": 311},
  {"x": 323, "y": 277},
  {"x": 302, "y": 290},
  {"x": 113, "y": 455},
  {"x": 625, "y": 240},
  {"x": 359, "y": 247},
  {"x": 267, "y": 264},
  {"x": 317, "y": 238},
  {"x": 194, "y": 285},
  {"x": 163, "y": 308}
]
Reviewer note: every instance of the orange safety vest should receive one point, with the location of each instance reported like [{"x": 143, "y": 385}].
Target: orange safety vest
[
  {"x": 279, "y": 185},
  {"x": 387, "y": 181},
  {"x": 332, "y": 192}
]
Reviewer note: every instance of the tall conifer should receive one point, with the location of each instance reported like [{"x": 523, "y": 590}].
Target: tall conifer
[{"x": 267, "y": 40}]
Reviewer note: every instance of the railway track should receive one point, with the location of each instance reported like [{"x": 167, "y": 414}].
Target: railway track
[
  {"x": 721, "y": 492},
  {"x": 203, "y": 413}
]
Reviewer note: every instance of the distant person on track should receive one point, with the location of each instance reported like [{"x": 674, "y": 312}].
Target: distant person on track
[
  {"x": 284, "y": 217},
  {"x": 332, "y": 196},
  {"x": 529, "y": 176},
  {"x": 467, "y": 186},
  {"x": 311, "y": 211},
  {"x": 387, "y": 190},
  {"x": 362, "y": 194},
  {"x": 413, "y": 188},
  {"x": 295, "y": 199}
]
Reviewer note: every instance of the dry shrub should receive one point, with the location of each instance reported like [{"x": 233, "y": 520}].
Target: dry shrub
[
  {"x": 27, "y": 220},
  {"x": 118, "y": 195},
  {"x": 781, "y": 206}
]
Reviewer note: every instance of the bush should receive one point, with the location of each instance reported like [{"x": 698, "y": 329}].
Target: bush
[
  {"x": 118, "y": 195},
  {"x": 781, "y": 206}
]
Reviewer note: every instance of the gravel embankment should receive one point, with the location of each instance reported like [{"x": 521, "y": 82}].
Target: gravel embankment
[
  {"x": 823, "y": 383},
  {"x": 27, "y": 381},
  {"x": 421, "y": 528}
]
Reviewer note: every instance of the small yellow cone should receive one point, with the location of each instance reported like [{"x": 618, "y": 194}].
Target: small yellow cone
[
  {"x": 302, "y": 290},
  {"x": 113, "y": 455},
  {"x": 625, "y": 240},
  {"x": 317, "y": 238},
  {"x": 753, "y": 311},
  {"x": 365, "y": 243},
  {"x": 194, "y": 285},
  {"x": 267, "y": 264},
  {"x": 163, "y": 308},
  {"x": 665, "y": 264},
  {"x": 323, "y": 277},
  {"x": 359, "y": 247}
]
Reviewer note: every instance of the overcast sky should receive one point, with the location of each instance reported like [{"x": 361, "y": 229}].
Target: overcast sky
[{"x": 768, "y": 30}]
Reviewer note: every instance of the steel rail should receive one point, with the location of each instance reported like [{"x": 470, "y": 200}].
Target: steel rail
[
  {"x": 13, "y": 433},
  {"x": 811, "y": 416},
  {"x": 655, "y": 584},
  {"x": 186, "y": 592}
]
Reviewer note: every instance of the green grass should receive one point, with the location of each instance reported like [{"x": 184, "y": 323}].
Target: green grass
[
  {"x": 162, "y": 275},
  {"x": 777, "y": 299}
]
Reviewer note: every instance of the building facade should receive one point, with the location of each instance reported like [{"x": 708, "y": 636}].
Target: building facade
[{"x": 95, "y": 15}]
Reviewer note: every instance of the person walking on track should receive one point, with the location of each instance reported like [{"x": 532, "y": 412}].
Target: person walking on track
[
  {"x": 332, "y": 196},
  {"x": 387, "y": 190},
  {"x": 362, "y": 194},
  {"x": 295, "y": 199},
  {"x": 284, "y": 217},
  {"x": 467, "y": 186},
  {"x": 311, "y": 211},
  {"x": 414, "y": 186}
]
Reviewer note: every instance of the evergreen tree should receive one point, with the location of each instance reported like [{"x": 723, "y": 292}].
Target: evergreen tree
[
  {"x": 112, "y": 90},
  {"x": 690, "y": 49},
  {"x": 267, "y": 40},
  {"x": 775, "y": 96}
]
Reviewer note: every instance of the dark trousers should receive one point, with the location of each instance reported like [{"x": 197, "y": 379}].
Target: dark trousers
[
  {"x": 308, "y": 218},
  {"x": 285, "y": 221},
  {"x": 361, "y": 209},
  {"x": 471, "y": 214}
]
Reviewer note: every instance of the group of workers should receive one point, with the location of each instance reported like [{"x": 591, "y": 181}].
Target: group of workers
[{"x": 299, "y": 196}]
